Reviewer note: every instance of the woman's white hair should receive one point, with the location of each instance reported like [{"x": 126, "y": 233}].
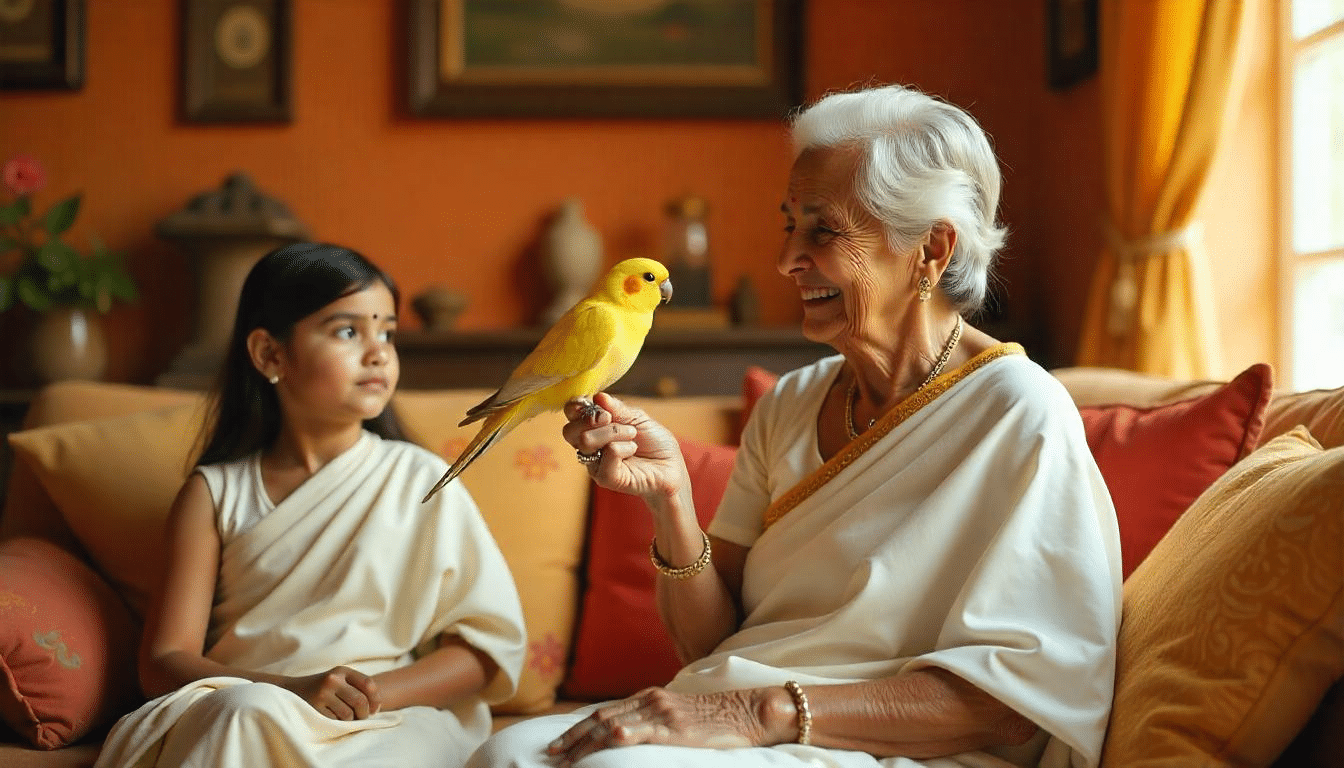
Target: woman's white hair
[{"x": 923, "y": 161}]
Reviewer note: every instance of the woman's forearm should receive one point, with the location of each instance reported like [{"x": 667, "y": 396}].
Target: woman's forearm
[
  {"x": 926, "y": 713},
  {"x": 699, "y": 611},
  {"x": 441, "y": 678}
]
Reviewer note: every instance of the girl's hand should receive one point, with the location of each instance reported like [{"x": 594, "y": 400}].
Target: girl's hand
[
  {"x": 639, "y": 456},
  {"x": 657, "y": 716},
  {"x": 340, "y": 693}
]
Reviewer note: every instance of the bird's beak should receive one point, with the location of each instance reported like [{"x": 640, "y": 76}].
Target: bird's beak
[{"x": 665, "y": 290}]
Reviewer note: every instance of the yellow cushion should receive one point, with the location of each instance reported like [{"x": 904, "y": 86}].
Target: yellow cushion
[
  {"x": 1234, "y": 626},
  {"x": 113, "y": 481},
  {"x": 1320, "y": 410},
  {"x": 534, "y": 496}
]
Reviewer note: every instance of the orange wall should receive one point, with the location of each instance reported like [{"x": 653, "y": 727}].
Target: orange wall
[{"x": 458, "y": 201}]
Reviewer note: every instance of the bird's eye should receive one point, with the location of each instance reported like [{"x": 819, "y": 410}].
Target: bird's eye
[{"x": 648, "y": 277}]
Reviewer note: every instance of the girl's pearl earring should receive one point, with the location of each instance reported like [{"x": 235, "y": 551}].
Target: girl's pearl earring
[{"x": 275, "y": 378}]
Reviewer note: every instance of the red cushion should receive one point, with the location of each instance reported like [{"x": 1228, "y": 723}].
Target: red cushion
[
  {"x": 1156, "y": 461},
  {"x": 67, "y": 646},
  {"x": 756, "y": 383},
  {"x": 620, "y": 645}
]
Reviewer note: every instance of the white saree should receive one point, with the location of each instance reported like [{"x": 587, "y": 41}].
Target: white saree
[
  {"x": 969, "y": 529},
  {"x": 350, "y": 569}
]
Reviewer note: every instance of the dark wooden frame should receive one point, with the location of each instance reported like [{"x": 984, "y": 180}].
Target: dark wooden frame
[
  {"x": 1072, "y": 41},
  {"x": 65, "y": 69},
  {"x": 200, "y": 100},
  {"x": 429, "y": 95}
]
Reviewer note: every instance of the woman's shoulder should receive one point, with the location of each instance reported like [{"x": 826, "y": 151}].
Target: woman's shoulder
[{"x": 1014, "y": 380}]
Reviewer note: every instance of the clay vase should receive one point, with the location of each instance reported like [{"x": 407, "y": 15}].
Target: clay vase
[
  {"x": 572, "y": 256},
  {"x": 69, "y": 343}
]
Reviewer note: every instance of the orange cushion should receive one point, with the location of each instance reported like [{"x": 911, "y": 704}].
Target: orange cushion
[
  {"x": 1233, "y": 629},
  {"x": 755, "y": 384},
  {"x": 67, "y": 646},
  {"x": 619, "y": 619},
  {"x": 1156, "y": 461}
]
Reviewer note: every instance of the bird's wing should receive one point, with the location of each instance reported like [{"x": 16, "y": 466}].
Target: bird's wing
[{"x": 576, "y": 343}]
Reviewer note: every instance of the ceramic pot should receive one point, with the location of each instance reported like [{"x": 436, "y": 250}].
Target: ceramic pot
[
  {"x": 572, "y": 253},
  {"x": 69, "y": 343}
]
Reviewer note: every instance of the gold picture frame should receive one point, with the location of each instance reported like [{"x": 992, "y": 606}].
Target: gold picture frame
[
  {"x": 41, "y": 44},
  {"x": 236, "y": 61},
  {"x": 640, "y": 58}
]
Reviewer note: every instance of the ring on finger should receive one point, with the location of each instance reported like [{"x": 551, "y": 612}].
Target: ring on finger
[{"x": 588, "y": 458}]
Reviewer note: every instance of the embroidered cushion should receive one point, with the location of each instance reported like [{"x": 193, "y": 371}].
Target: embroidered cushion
[
  {"x": 67, "y": 646},
  {"x": 534, "y": 496},
  {"x": 1234, "y": 628}
]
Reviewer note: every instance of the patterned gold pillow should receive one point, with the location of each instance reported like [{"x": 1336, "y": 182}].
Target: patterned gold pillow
[{"x": 1234, "y": 626}]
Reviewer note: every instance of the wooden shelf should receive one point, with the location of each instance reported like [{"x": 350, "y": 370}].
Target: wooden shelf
[{"x": 678, "y": 361}]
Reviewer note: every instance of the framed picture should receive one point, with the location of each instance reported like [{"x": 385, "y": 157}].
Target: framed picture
[
  {"x": 42, "y": 44},
  {"x": 596, "y": 58},
  {"x": 1072, "y": 41},
  {"x": 236, "y": 61}
]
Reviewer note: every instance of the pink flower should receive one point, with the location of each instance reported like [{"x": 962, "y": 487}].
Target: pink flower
[{"x": 23, "y": 175}]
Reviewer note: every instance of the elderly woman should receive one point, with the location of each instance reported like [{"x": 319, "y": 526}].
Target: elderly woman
[{"x": 916, "y": 561}]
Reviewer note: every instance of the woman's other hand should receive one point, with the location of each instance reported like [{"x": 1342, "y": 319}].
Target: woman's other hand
[
  {"x": 656, "y": 716},
  {"x": 639, "y": 455},
  {"x": 340, "y": 693}
]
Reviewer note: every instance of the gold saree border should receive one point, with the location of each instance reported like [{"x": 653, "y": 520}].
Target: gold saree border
[{"x": 893, "y": 418}]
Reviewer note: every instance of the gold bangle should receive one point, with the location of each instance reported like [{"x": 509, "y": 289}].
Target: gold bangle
[
  {"x": 804, "y": 714},
  {"x": 684, "y": 572}
]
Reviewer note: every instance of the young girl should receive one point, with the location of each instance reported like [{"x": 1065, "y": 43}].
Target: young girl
[{"x": 312, "y": 611}]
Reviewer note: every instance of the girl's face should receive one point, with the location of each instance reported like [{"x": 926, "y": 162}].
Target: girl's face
[
  {"x": 340, "y": 364},
  {"x": 850, "y": 281}
]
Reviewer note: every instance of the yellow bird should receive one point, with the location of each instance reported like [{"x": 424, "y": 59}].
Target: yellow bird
[{"x": 587, "y": 350}]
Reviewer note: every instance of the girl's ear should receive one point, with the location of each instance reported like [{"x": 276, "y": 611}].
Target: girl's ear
[{"x": 264, "y": 350}]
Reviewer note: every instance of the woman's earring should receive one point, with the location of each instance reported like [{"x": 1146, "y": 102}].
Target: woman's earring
[
  {"x": 275, "y": 378},
  {"x": 925, "y": 290}
]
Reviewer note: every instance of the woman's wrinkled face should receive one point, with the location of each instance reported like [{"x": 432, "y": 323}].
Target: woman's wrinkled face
[{"x": 850, "y": 282}]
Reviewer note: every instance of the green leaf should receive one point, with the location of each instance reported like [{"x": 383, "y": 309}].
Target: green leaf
[
  {"x": 121, "y": 286},
  {"x": 6, "y": 293},
  {"x": 33, "y": 295},
  {"x": 8, "y": 244},
  {"x": 58, "y": 258},
  {"x": 61, "y": 216}
]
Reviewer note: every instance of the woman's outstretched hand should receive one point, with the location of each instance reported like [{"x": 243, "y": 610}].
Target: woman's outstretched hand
[
  {"x": 656, "y": 716},
  {"x": 639, "y": 456},
  {"x": 340, "y": 693}
]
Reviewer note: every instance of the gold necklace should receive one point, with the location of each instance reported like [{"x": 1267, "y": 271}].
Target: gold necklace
[{"x": 933, "y": 374}]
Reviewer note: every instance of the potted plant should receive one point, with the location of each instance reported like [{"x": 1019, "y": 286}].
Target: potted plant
[{"x": 68, "y": 290}]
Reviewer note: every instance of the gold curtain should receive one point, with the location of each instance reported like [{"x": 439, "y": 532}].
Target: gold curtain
[{"x": 1166, "y": 69}]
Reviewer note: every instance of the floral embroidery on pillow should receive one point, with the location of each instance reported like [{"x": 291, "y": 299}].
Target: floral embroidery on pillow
[
  {"x": 547, "y": 655},
  {"x": 536, "y": 462},
  {"x": 52, "y": 642}
]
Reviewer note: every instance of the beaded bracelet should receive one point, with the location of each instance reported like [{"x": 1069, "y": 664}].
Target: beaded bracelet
[
  {"x": 804, "y": 714},
  {"x": 684, "y": 572}
]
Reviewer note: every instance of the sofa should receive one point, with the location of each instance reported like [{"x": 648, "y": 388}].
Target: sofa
[{"x": 1230, "y": 497}]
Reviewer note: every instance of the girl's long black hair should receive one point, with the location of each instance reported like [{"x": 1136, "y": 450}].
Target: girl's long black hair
[{"x": 285, "y": 286}]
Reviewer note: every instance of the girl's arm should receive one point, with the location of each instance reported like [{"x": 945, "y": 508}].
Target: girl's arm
[
  {"x": 172, "y": 649},
  {"x": 178, "y": 614},
  {"x": 450, "y": 673}
]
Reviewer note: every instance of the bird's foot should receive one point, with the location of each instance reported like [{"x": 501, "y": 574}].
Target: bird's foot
[{"x": 589, "y": 411}]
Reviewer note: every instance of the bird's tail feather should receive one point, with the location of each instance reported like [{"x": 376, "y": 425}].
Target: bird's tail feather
[{"x": 477, "y": 446}]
